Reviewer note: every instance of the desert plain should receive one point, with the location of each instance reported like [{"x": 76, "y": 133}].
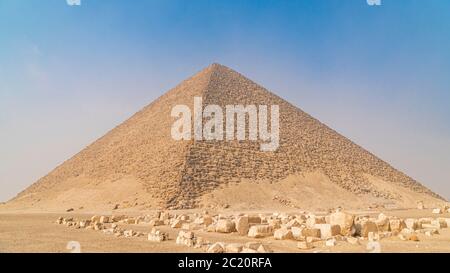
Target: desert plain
[{"x": 40, "y": 232}]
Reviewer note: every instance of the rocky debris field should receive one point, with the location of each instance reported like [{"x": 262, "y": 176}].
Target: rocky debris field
[{"x": 307, "y": 229}]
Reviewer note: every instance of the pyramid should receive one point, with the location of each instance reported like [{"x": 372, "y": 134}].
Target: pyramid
[{"x": 139, "y": 164}]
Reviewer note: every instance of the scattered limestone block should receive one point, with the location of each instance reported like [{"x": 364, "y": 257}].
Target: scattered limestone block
[
  {"x": 412, "y": 224},
  {"x": 396, "y": 224},
  {"x": 211, "y": 228},
  {"x": 156, "y": 222},
  {"x": 382, "y": 223},
  {"x": 311, "y": 232},
  {"x": 264, "y": 249},
  {"x": 128, "y": 233},
  {"x": 117, "y": 218},
  {"x": 59, "y": 220},
  {"x": 297, "y": 232},
  {"x": 108, "y": 231},
  {"x": 242, "y": 225},
  {"x": 200, "y": 242},
  {"x": 364, "y": 227},
  {"x": 274, "y": 223},
  {"x": 157, "y": 236},
  {"x": 447, "y": 221},
  {"x": 205, "y": 220},
  {"x": 253, "y": 245},
  {"x": 304, "y": 245},
  {"x": 425, "y": 220},
  {"x": 104, "y": 219},
  {"x": 164, "y": 216},
  {"x": 233, "y": 248},
  {"x": 407, "y": 231},
  {"x": 65, "y": 220},
  {"x": 98, "y": 226},
  {"x": 330, "y": 242},
  {"x": 352, "y": 240},
  {"x": 294, "y": 223},
  {"x": 84, "y": 223},
  {"x": 260, "y": 231},
  {"x": 437, "y": 211},
  {"x": 140, "y": 219},
  {"x": 313, "y": 220},
  {"x": 216, "y": 248},
  {"x": 95, "y": 218},
  {"x": 184, "y": 217},
  {"x": 440, "y": 223},
  {"x": 225, "y": 226},
  {"x": 328, "y": 230},
  {"x": 177, "y": 223},
  {"x": 345, "y": 221},
  {"x": 431, "y": 232},
  {"x": 283, "y": 234},
  {"x": 129, "y": 221},
  {"x": 186, "y": 238}
]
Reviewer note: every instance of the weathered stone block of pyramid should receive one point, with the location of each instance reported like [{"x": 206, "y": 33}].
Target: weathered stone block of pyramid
[{"x": 139, "y": 164}]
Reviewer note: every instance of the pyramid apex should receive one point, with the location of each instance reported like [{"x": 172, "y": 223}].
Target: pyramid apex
[{"x": 218, "y": 65}]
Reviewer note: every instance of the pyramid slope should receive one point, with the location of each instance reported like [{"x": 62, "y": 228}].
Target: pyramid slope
[{"x": 140, "y": 159}]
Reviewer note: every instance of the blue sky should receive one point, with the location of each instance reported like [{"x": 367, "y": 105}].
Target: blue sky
[{"x": 377, "y": 74}]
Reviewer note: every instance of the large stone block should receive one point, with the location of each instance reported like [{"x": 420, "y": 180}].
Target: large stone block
[
  {"x": 382, "y": 223},
  {"x": 396, "y": 225},
  {"x": 365, "y": 226},
  {"x": 313, "y": 220},
  {"x": 283, "y": 234},
  {"x": 242, "y": 225},
  {"x": 311, "y": 232},
  {"x": 328, "y": 230},
  {"x": 225, "y": 226},
  {"x": 260, "y": 231},
  {"x": 413, "y": 224},
  {"x": 345, "y": 221},
  {"x": 297, "y": 232}
]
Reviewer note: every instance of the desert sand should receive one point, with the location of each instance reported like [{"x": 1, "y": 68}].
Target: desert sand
[{"x": 38, "y": 232}]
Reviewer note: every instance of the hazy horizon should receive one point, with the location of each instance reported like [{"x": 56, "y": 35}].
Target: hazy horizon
[{"x": 377, "y": 75}]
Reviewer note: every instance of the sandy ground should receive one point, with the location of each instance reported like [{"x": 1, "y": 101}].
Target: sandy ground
[{"x": 37, "y": 232}]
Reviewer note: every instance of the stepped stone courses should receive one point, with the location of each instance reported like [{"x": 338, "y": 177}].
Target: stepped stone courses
[{"x": 177, "y": 173}]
